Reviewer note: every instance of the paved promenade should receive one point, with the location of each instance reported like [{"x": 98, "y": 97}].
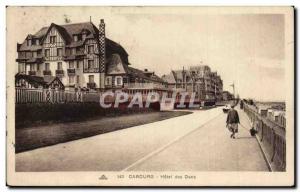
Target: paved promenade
[{"x": 194, "y": 142}]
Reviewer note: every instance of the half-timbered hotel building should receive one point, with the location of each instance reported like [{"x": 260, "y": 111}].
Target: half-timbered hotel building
[
  {"x": 82, "y": 57},
  {"x": 207, "y": 85}
]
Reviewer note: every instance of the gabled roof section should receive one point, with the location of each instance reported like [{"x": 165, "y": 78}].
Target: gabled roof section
[
  {"x": 115, "y": 65},
  {"x": 140, "y": 74},
  {"x": 43, "y": 81},
  {"x": 41, "y": 33},
  {"x": 67, "y": 32},
  {"x": 62, "y": 31},
  {"x": 179, "y": 75}
]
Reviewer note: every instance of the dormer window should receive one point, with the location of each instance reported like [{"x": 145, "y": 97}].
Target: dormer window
[
  {"x": 52, "y": 39},
  {"x": 83, "y": 35},
  {"x": 75, "y": 38},
  {"x": 79, "y": 37},
  {"x": 90, "y": 49},
  {"x": 28, "y": 42}
]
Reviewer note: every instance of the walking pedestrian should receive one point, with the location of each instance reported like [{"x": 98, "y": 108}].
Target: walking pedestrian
[{"x": 232, "y": 121}]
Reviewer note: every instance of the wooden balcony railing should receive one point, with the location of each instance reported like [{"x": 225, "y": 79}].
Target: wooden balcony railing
[
  {"x": 71, "y": 71},
  {"x": 32, "y": 72},
  {"x": 47, "y": 72},
  {"x": 91, "y": 85},
  {"x": 59, "y": 72},
  {"x": 91, "y": 70}
]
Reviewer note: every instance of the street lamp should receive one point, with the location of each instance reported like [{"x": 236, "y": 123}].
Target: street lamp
[{"x": 232, "y": 85}]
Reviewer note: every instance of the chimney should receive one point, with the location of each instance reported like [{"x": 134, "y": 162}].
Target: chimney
[
  {"x": 102, "y": 54},
  {"x": 102, "y": 46}
]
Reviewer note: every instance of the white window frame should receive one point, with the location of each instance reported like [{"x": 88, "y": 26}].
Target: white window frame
[
  {"x": 93, "y": 49},
  {"x": 118, "y": 78},
  {"x": 53, "y": 37}
]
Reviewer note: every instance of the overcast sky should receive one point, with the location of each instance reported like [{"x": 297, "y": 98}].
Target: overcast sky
[{"x": 248, "y": 49}]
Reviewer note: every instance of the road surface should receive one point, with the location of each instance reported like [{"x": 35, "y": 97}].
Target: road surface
[{"x": 194, "y": 142}]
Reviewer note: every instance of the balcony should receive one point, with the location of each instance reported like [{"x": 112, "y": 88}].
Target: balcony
[
  {"x": 32, "y": 72},
  {"x": 71, "y": 71},
  {"x": 59, "y": 72},
  {"x": 91, "y": 85},
  {"x": 91, "y": 70},
  {"x": 21, "y": 59},
  {"x": 47, "y": 72}
]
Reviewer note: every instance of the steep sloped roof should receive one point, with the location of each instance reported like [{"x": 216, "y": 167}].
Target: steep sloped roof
[
  {"x": 157, "y": 78},
  {"x": 178, "y": 75},
  {"x": 45, "y": 80},
  {"x": 31, "y": 79},
  {"x": 115, "y": 65},
  {"x": 139, "y": 73},
  {"x": 67, "y": 31},
  {"x": 40, "y": 34}
]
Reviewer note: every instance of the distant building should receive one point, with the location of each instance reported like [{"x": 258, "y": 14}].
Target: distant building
[
  {"x": 227, "y": 96},
  {"x": 81, "y": 56},
  {"x": 207, "y": 85}
]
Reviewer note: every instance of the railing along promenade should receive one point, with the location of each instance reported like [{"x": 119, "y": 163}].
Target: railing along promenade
[
  {"x": 26, "y": 95},
  {"x": 271, "y": 137}
]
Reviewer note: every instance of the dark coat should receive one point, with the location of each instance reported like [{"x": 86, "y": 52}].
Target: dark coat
[{"x": 233, "y": 117}]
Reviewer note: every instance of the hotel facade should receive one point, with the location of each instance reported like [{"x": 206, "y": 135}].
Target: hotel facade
[
  {"x": 81, "y": 57},
  {"x": 207, "y": 85}
]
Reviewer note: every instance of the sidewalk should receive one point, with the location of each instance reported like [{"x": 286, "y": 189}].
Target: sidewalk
[
  {"x": 195, "y": 142},
  {"x": 210, "y": 148}
]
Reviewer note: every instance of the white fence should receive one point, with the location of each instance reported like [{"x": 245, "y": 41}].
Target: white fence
[{"x": 24, "y": 95}]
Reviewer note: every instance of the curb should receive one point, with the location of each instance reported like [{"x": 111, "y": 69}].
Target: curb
[
  {"x": 263, "y": 151},
  {"x": 264, "y": 154}
]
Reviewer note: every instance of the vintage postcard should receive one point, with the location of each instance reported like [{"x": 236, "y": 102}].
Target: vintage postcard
[{"x": 150, "y": 96}]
